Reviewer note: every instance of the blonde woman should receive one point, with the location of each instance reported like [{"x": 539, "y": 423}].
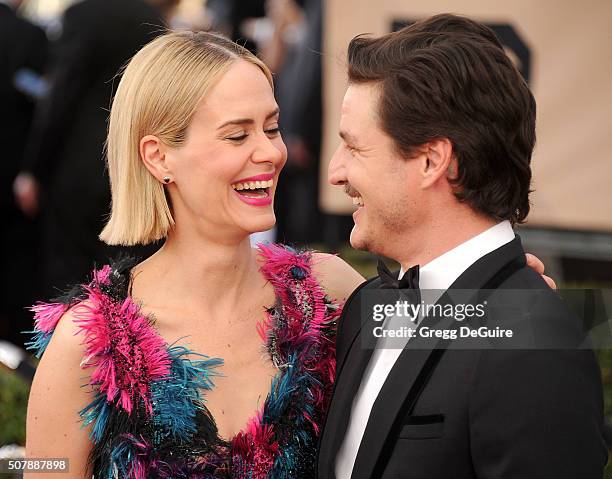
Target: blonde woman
[
  {"x": 156, "y": 369},
  {"x": 194, "y": 156}
]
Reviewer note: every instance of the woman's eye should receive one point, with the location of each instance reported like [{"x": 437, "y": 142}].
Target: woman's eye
[
  {"x": 273, "y": 131},
  {"x": 237, "y": 137}
]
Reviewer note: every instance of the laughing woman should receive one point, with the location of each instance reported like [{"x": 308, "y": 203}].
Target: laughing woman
[
  {"x": 176, "y": 383},
  {"x": 155, "y": 369}
]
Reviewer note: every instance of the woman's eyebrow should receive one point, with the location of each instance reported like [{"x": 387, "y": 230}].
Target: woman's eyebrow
[{"x": 246, "y": 121}]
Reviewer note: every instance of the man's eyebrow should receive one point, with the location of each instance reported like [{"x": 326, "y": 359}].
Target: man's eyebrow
[
  {"x": 347, "y": 137},
  {"x": 247, "y": 121}
]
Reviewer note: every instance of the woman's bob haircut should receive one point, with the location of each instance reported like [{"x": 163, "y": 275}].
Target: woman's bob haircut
[{"x": 158, "y": 94}]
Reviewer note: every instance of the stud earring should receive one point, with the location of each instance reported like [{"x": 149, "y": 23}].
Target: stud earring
[{"x": 166, "y": 179}]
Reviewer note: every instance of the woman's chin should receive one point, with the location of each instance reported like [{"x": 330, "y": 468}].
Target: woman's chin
[{"x": 260, "y": 223}]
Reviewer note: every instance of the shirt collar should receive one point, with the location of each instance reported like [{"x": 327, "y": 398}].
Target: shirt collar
[{"x": 442, "y": 271}]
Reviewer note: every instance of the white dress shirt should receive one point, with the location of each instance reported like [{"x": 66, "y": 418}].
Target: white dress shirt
[{"x": 438, "y": 274}]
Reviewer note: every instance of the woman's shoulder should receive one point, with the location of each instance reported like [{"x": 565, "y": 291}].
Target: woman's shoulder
[
  {"x": 118, "y": 345},
  {"x": 80, "y": 303},
  {"x": 133, "y": 388},
  {"x": 337, "y": 277},
  {"x": 283, "y": 265}
]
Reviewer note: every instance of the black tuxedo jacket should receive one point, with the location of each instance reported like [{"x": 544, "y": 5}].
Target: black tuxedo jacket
[{"x": 474, "y": 413}]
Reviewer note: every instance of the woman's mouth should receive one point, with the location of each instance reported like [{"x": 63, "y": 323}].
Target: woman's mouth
[{"x": 255, "y": 193}]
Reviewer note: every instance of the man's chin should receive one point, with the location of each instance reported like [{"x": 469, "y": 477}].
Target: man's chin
[{"x": 357, "y": 240}]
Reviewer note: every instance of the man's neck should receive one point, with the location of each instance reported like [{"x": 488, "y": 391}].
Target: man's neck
[{"x": 440, "y": 235}]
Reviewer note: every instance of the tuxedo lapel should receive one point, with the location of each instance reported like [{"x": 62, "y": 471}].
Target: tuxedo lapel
[
  {"x": 345, "y": 388},
  {"x": 401, "y": 388},
  {"x": 416, "y": 364},
  {"x": 348, "y": 344}
]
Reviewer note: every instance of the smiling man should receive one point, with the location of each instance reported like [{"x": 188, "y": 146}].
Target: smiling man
[{"x": 437, "y": 129}]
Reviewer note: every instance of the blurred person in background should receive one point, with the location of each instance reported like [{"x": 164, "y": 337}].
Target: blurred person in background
[
  {"x": 230, "y": 16},
  {"x": 286, "y": 34},
  {"x": 295, "y": 53},
  {"x": 63, "y": 174},
  {"x": 23, "y": 52}
]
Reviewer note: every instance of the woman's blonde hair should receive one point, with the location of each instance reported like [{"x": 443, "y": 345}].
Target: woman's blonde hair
[{"x": 158, "y": 95}]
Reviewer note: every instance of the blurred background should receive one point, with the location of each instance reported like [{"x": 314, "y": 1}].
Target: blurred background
[{"x": 60, "y": 61}]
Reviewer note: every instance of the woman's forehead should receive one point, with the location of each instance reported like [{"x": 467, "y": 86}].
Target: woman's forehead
[{"x": 236, "y": 96}]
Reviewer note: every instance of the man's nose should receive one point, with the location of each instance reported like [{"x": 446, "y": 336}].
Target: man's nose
[{"x": 336, "y": 172}]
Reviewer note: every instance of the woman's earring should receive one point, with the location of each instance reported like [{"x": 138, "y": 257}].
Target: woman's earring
[{"x": 166, "y": 179}]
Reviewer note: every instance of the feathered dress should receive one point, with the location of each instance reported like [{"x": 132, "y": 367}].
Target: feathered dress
[{"x": 148, "y": 414}]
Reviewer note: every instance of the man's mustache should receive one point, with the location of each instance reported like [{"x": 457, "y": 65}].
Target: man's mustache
[{"x": 349, "y": 190}]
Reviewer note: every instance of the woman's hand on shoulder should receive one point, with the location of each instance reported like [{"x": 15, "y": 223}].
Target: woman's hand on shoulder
[
  {"x": 536, "y": 264},
  {"x": 56, "y": 397},
  {"x": 336, "y": 276}
]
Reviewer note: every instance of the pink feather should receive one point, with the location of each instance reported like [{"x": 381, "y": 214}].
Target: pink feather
[
  {"x": 46, "y": 315},
  {"x": 122, "y": 347}
]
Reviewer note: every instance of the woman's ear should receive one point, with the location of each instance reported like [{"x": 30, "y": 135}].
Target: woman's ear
[
  {"x": 153, "y": 154},
  {"x": 438, "y": 162}
]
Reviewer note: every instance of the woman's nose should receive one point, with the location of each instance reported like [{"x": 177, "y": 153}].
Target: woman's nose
[{"x": 269, "y": 151}]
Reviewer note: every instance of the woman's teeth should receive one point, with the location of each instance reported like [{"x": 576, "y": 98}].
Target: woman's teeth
[
  {"x": 357, "y": 200},
  {"x": 252, "y": 185}
]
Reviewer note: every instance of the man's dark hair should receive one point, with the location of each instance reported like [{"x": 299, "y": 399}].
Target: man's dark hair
[{"x": 448, "y": 77}]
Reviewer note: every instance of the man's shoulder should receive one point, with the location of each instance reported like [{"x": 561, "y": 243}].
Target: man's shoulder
[
  {"x": 524, "y": 278},
  {"x": 532, "y": 304}
]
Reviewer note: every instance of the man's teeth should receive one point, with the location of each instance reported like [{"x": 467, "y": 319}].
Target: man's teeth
[
  {"x": 357, "y": 200},
  {"x": 253, "y": 185}
]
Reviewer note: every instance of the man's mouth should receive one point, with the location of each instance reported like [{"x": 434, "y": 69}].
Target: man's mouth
[
  {"x": 357, "y": 200},
  {"x": 354, "y": 194}
]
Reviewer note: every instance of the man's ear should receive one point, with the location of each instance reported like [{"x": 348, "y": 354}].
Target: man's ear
[
  {"x": 153, "y": 154},
  {"x": 438, "y": 161}
]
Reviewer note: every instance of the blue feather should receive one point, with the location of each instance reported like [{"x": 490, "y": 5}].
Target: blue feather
[
  {"x": 281, "y": 392},
  {"x": 98, "y": 412},
  {"x": 176, "y": 399},
  {"x": 40, "y": 341},
  {"x": 121, "y": 459}
]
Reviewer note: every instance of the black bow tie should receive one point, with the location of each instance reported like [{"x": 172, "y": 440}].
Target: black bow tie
[{"x": 410, "y": 280}]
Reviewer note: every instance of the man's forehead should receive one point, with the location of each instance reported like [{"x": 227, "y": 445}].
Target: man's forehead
[
  {"x": 359, "y": 115},
  {"x": 361, "y": 101}
]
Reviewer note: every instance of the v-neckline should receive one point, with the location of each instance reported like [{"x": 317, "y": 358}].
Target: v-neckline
[{"x": 150, "y": 318}]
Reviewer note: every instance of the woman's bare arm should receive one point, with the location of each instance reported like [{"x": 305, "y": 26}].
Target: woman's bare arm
[
  {"x": 56, "y": 397},
  {"x": 336, "y": 276}
]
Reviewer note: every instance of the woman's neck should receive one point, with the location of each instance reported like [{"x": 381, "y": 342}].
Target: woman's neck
[{"x": 205, "y": 273}]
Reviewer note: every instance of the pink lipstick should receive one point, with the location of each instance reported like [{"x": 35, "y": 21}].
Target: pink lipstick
[{"x": 255, "y": 190}]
